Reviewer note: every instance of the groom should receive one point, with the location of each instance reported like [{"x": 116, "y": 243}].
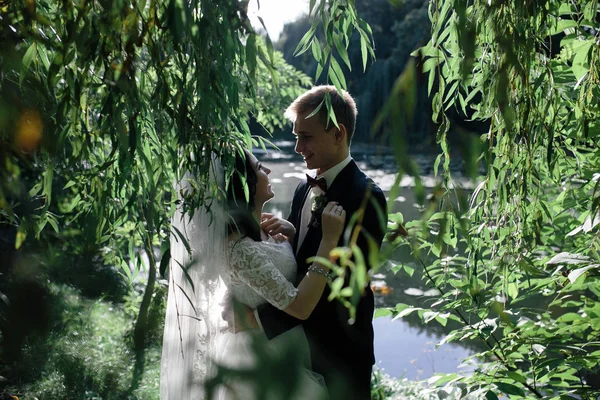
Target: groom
[{"x": 341, "y": 350}]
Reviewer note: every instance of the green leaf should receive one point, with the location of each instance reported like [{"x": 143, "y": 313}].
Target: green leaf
[
  {"x": 69, "y": 184},
  {"x": 509, "y": 389},
  {"x": 316, "y": 50},
  {"x": 516, "y": 376},
  {"x": 569, "y": 258},
  {"x": 20, "y": 238},
  {"x": 406, "y": 311},
  {"x": 491, "y": 395},
  {"x": 330, "y": 111},
  {"x": 305, "y": 42},
  {"x": 52, "y": 221},
  {"x": 590, "y": 10},
  {"x": 311, "y": 6},
  {"x": 125, "y": 271},
  {"x": 316, "y": 110},
  {"x": 382, "y": 312},
  {"x": 436, "y": 248},
  {"x": 581, "y": 63},
  {"x": 442, "y": 318},
  {"x": 318, "y": 72},
  {"x": 47, "y": 190},
  {"x": 360, "y": 274},
  {"x": 562, "y": 25},
  {"x": 337, "y": 40},
  {"x": 72, "y": 204},
  {"x": 187, "y": 296},
  {"x": 183, "y": 239},
  {"x": 565, "y": 8},
  {"x": 429, "y": 316},
  {"x": 363, "y": 52},
  {"x": 569, "y": 317},
  {"x": 29, "y": 55},
  {"x": 512, "y": 289},
  {"x": 436, "y": 164},
  {"x": 575, "y": 274},
  {"x": 251, "y": 55},
  {"x": 338, "y": 74}
]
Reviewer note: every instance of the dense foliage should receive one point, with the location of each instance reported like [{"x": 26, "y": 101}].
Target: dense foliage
[
  {"x": 398, "y": 27},
  {"x": 527, "y": 284},
  {"x": 104, "y": 105}
]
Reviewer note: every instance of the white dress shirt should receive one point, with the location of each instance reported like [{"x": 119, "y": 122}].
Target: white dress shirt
[{"x": 306, "y": 215}]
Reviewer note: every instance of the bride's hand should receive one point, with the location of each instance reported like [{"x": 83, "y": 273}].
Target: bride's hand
[
  {"x": 332, "y": 221},
  {"x": 274, "y": 225}
]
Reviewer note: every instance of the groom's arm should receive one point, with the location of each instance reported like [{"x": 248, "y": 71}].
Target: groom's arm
[
  {"x": 375, "y": 220},
  {"x": 273, "y": 321},
  {"x": 374, "y": 223}
]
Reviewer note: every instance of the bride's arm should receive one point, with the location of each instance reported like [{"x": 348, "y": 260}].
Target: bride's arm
[
  {"x": 312, "y": 285},
  {"x": 251, "y": 265}
]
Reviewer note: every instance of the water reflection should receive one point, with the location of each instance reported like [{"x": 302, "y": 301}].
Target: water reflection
[
  {"x": 406, "y": 351},
  {"x": 403, "y": 347}
]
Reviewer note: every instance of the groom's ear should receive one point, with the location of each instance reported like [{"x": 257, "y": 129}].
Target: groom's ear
[{"x": 340, "y": 134}]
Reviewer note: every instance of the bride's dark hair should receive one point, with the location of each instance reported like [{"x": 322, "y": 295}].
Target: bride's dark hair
[{"x": 241, "y": 219}]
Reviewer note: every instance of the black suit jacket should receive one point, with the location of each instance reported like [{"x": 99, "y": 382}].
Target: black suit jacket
[{"x": 335, "y": 344}]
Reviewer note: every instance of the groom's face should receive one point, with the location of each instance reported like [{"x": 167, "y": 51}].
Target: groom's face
[{"x": 317, "y": 146}]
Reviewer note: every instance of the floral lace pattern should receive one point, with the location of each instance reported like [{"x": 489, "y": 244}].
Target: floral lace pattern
[
  {"x": 193, "y": 321},
  {"x": 261, "y": 272}
]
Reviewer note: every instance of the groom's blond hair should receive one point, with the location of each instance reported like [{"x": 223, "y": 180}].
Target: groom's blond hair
[{"x": 343, "y": 106}]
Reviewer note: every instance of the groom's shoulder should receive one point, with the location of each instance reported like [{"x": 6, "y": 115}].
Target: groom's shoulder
[{"x": 362, "y": 182}]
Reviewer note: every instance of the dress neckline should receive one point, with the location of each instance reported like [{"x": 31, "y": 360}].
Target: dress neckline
[
  {"x": 265, "y": 233},
  {"x": 269, "y": 240}
]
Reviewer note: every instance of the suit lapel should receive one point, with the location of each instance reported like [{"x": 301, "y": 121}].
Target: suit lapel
[
  {"x": 339, "y": 187},
  {"x": 298, "y": 201},
  {"x": 335, "y": 192}
]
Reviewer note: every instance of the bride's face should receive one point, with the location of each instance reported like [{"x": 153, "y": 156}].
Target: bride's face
[{"x": 264, "y": 192}]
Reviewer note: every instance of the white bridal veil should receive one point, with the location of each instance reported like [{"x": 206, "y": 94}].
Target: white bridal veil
[{"x": 193, "y": 319}]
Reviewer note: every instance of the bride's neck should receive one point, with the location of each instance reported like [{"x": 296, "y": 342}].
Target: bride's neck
[{"x": 257, "y": 213}]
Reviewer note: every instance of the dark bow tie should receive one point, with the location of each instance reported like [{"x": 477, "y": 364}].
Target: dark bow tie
[{"x": 321, "y": 182}]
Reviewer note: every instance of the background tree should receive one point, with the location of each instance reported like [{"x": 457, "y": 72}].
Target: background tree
[
  {"x": 528, "y": 286},
  {"x": 104, "y": 105},
  {"x": 398, "y": 28}
]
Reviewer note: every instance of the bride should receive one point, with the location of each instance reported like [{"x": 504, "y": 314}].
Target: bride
[{"x": 258, "y": 269}]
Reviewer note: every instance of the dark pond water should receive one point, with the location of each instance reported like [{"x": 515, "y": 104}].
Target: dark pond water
[{"x": 403, "y": 347}]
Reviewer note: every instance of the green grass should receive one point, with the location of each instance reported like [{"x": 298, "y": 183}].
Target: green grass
[{"x": 88, "y": 354}]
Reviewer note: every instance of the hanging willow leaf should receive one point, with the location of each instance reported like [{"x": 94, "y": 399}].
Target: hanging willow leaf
[
  {"x": 251, "y": 55},
  {"x": 575, "y": 274},
  {"x": 569, "y": 258}
]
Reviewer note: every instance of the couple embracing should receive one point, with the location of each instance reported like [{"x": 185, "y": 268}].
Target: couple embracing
[{"x": 283, "y": 297}]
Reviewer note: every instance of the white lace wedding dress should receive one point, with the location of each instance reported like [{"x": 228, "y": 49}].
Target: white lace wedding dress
[{"x": 260, "y": 272}]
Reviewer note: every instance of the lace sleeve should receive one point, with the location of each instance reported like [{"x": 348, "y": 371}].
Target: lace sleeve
[{"x": 251, "y": 265}]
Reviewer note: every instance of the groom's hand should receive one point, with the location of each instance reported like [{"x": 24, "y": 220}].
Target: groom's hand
[
  {"x": 239, "y": 317},
  {"x": 274, "y": 225},
  {"x": 227, "y": 311}
]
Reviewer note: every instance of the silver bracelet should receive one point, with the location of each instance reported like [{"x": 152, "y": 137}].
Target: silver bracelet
[{"x": 319, "y": 270}]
